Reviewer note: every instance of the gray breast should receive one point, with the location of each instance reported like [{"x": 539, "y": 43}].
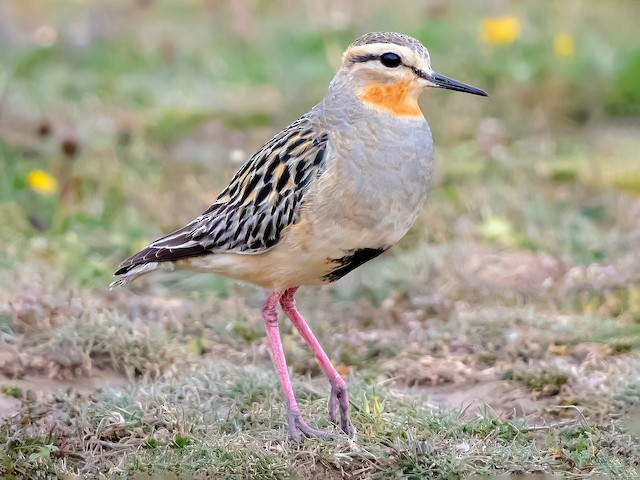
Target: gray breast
[
  {"x": 382, "y": 167},
  {"x": 384, "y": 164}
]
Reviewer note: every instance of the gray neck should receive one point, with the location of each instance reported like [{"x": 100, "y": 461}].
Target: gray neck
[
  {"x": 342, "y": 103},
  {"x": 383, "y": 160},
  {"x": 360, "y": 128}
]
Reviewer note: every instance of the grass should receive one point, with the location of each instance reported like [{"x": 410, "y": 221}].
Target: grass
[
  {"x": 199, "y": 423},
  {"x": 500, "y": 337},
  {"x": 203, "y": 406}
]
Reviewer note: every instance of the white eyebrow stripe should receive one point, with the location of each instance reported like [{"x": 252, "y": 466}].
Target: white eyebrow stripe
[
  {"x": 373, "y": 51},
  {"x": 377, "y": 49}
]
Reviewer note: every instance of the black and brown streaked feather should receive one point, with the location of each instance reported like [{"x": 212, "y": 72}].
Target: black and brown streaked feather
[{"x": 263, "y": 198}]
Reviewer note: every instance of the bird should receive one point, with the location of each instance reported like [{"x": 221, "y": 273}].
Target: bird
[{"x": 336, "y": 188}]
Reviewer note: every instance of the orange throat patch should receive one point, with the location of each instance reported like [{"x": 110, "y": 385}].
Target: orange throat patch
[{"x": 398, "y": 98}]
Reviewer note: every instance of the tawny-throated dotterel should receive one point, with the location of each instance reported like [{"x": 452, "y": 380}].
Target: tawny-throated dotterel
[{"x": 331, "y": 191}]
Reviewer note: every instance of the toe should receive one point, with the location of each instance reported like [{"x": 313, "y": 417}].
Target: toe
[
  {"x": 295, "y": 434},
  {"x": 340, "y": 396},
  {"x": 299, "y": 429},
  {"x": 310, "y": 431},
  {"x": 345, "y": 419},
  {"x": 332, "y": 407}
]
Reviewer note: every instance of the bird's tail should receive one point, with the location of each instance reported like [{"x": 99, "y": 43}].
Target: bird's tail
[{"x": 127, "y": 275}]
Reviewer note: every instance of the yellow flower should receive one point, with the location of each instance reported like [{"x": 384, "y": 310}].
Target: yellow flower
[
  {"x": 563, "y": 45},
  {"x": 41, "y": 182},
  {"x": 499, "y": 30}
]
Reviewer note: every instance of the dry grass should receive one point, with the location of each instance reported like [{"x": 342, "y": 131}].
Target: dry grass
[
  {"x": 500, "y": 337},
  {"x": 550, "y": 404}
]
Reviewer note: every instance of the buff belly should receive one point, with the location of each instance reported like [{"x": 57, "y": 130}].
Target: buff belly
[{"x": 299, "y": 258}]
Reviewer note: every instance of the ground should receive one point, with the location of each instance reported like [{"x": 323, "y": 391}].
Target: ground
[{"x": 500, "y": 337}]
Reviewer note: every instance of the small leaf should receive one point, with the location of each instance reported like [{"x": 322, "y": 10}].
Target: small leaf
[
  {"x": 44, "y": 452},
  {"x": 12, "y": 391},
  {"x": 180, "y": 442},
  {"x": 151, "y": 443}
]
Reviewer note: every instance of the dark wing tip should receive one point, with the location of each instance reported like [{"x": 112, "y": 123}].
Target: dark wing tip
[
  {"x": 166, "y": 249},
  {"x": 123, "y": 269},
  {"x": 145, "y": 255}
]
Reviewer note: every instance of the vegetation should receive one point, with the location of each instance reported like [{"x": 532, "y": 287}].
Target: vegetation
[{"x": 501, "y": 336}]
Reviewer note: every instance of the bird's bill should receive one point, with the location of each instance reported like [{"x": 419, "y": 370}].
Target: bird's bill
[{"x": 440, "y": 81}]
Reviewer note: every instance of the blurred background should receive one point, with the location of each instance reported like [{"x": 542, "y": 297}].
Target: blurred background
[
  {"x": 122, "y": 120},
  {"x": 119, "y": 121}
]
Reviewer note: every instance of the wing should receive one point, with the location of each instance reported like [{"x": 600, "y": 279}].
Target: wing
[{"x": 263, "y": 197}]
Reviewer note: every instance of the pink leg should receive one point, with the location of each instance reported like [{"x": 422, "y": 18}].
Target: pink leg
[
  {"x": 338, "y": 386},
  {"x": 297, "y": 425}
]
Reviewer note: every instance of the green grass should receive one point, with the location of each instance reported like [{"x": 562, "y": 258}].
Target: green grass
[
  {"x": 12, "y": 391},
  {"x": 500, "y": 337}
]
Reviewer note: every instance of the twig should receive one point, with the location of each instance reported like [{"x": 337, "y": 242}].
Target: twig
[
  {"x": 546, "y": 427},
  {"x": 107, "y": 444},
  {"x": 573, "y": 407}
]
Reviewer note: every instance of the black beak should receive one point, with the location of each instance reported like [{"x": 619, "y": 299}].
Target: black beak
[{"x": 440, "y": 81}]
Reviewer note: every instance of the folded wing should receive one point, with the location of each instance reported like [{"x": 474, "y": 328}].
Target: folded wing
[{"x": 249, "y": 215}]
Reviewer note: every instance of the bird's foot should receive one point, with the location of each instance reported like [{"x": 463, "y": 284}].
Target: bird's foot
[
  {"x": 298, "y": 428},
  {"x": 340, "y": 396}
]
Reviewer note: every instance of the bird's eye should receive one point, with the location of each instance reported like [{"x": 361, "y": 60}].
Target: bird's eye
[{"x": 390, "y": 60}]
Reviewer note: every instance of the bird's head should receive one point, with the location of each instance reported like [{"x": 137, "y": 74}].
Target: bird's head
[{"x": 390, "y": 70}]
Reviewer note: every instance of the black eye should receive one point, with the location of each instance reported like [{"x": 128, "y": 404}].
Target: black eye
[{"x": 390, "y": 60}]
